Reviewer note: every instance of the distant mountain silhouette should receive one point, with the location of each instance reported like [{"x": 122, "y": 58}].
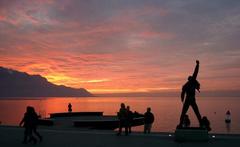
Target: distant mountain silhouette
[{"x": 20, "y": 84}]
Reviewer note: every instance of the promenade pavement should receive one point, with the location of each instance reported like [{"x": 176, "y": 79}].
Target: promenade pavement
[{"x": 13, "y": 136}]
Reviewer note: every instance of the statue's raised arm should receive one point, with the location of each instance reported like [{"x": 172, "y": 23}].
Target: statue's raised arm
[{"x": 195, "y": 73}]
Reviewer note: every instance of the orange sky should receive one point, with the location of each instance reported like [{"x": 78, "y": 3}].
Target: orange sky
[{"x": 121, "y": 46}]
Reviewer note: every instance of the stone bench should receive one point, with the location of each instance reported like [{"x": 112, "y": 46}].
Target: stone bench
[{"x": 191, "y": 134}]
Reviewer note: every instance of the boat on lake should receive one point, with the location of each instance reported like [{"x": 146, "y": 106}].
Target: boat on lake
[{"x": 91, "y": 120}]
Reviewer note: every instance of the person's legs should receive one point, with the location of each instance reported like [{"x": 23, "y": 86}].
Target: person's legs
[
  {"x": 149, "y": 128},
  {"x": 195, "y": 109},
  {"x": 31, "y": 137},
  {"x": 26, "y": 132},
  {"x": 184, "y": 111},
  {"x": 35, "y": 132},
  {"x": 145, "y": 128},
  {"x": 120, "y": 127},
  {"x": 129, "y": 128},
  {"x": 126, "y": 130},
  {"x": 126, "y": 127}
]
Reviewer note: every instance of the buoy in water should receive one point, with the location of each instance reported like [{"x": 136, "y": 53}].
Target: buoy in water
[
  {"x": 227, "y": 121},
  {"x": 228, "y": 117}
]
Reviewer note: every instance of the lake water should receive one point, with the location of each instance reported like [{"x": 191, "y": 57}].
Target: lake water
[{"x": 166, "y": 110}]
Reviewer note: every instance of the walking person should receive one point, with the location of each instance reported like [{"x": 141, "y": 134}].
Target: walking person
[
  {"x": 189, "y": 89},
  {"x": 148, "y": 120},
  {"x": 122, "y": 116},
  {"x": 129, "y": 119},
  {"x": 28, "y": 122},
  {"x": 35, "y": 124}
]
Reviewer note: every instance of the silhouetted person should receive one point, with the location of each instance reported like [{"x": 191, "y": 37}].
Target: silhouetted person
[
  {"x": 186, "y": 121},
  {"x": 35, "y": 123},
  {"x": 69, "y": 107},
  {"x": 205, "y": 123},
  {"x": 148, "y": 120},
  {"x": 122, "y": 116},
  {"x": 28, "y": 123},
  {"x": 129, "y": 119},
  {"x": 189, "y": 89}
]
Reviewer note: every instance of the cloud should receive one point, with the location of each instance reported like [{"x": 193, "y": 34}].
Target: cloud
[{"x": 133, "y": 44}]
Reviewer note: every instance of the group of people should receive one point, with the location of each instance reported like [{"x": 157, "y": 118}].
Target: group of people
[
  {"x": 126, "y": 117},
  {"x": 30, "y": 122}
]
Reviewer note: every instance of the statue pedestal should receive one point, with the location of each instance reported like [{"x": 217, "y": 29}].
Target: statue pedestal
[{"x": 191, "y": 134}]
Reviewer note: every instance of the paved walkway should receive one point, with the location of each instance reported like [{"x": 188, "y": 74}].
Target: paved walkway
[{"x": 12, "y": 137}]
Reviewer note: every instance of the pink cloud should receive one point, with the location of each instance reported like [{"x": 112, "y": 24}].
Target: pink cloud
[
  {"x": 160, "y": 35},
  {"x": 153, "y": 10},
  {"x": 22, "y": 13},
  {"x": 2, "y": 18},
  {"x": 122, "y": 51}
]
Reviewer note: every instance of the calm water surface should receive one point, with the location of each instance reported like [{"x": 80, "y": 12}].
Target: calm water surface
[{"x": 166, "y": 110}]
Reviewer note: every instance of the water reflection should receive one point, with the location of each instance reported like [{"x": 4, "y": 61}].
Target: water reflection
[
  {"x": 228, "y": 127},
  {"x": 166, "y": 109}
]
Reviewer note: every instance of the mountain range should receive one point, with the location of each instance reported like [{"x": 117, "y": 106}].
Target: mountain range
[{"x": 20, "y": 84}]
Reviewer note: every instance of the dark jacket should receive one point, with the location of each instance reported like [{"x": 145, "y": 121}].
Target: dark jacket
[
  {"x": 129, "y": 116},
  {"x": 148, "y": 118},
  {"x": 122, "y": 114},
  {"x": 29, "y": 120}
]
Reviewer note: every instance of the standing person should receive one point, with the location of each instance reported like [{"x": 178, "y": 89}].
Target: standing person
[
  {"x": 190, "y": 100},
  {"x": 122, "y": 116},
  {"x": 129, "y": 119},
  {"x": 35, "y": 123},
  {"x": 148, "y": 120},
  {"x": 69, "y": 107},
  {"x": 28, "y": 122}
]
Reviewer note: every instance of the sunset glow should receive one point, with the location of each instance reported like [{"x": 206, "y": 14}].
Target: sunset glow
[{"x": 123, "y": 46}]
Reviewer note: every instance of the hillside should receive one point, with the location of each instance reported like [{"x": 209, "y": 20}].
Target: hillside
[{"x": 20, "y": 84}]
